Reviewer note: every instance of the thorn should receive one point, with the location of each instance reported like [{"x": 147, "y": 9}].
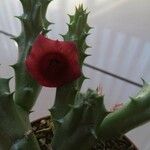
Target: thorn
[
  {"x": 45, "y": 31},
  {"x": 16, "y": 39},
  {"x": 86, "y": 78},
  {"x": 144, "y": 82},
  {"x": 88, "y": 28},
  {"x": 73, "y": 106},
  {"x": 68, "y": 24},
  {"x": 52, "y": 110},
  {"x": 20, "y": 18},
  {"x": 6, "y": 79},
  {"x": 133, "y": 100},
  {"x": 51, "y": 23},
  {"x": 91, "y": 28},
  {"x": 92, "y": 131},
  {"x": 59, "y": 121},
  {"x": 87, "y": 55},
  {"x": 71, "y": 17},
  {"x": 31, "y": 111},
  {"x": 14, "y": 66},
  {"x": 62, "y": 35},
  {"x": 100, "y": 90},
  {"x": 7, "y": 94},
  {"x": 86, "y": 103},
  {"x": 87, "y": 46},
  {"x": 27, "y": 89},
  {"x": 10, "y": 78},
  {"x": 11, "y": 94},
  {"x": 38, "y": 4},
  {"x": 87, "y": 12},
  {"x": 47, "y": 2}
]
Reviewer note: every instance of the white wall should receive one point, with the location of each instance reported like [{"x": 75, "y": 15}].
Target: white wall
[{"x": 120, "y": 44}]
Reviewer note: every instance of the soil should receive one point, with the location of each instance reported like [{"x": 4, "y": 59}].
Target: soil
[{"x": 43, "y": 129}]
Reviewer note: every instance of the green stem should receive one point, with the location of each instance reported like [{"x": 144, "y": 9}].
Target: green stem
[
  {"x": 133, "y": 114},
  {"x": 33, "y": 23},
  {"x": 77, "y": 31}
]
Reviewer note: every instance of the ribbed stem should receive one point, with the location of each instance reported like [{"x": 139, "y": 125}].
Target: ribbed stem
[
  {"x": 131, "y": 115},
  {"x": 77, "y": 31}
]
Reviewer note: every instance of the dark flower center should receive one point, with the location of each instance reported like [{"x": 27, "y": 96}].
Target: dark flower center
[
  {"x": 55, "y": 63},
  {"x": 54, "y": 66}
]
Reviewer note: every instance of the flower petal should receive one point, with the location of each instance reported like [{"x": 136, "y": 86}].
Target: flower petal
[{"x": 53, "y": 63}]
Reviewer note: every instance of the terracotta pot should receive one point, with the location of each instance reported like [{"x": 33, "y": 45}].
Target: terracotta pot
[{"x": 43, "y": 129}]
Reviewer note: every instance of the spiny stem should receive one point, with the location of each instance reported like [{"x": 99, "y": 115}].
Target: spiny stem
[{"x": 128, "y": 117}]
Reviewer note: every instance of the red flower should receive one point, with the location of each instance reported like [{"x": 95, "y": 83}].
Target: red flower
[{"x": 53, "y": 63}]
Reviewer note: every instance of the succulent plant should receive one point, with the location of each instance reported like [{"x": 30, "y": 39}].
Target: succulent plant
[{"x": 80, "y": 119}]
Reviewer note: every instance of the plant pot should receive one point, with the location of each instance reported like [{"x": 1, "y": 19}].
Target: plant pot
[{"x": 43, "y": 129}]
